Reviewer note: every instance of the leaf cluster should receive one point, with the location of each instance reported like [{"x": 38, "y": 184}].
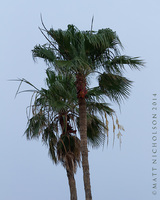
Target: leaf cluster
[
  {"x": 89, "y": 52},
  {"x": 55, "y": 118}
]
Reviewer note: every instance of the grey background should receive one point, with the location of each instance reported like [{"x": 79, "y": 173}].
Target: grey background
[{"x": 26, "y": 171}]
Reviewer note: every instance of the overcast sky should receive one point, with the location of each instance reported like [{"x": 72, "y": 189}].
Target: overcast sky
[{"x": 26, "y": 171}]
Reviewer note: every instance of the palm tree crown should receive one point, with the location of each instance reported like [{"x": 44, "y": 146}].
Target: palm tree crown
[{"x": 89, "y": 52}]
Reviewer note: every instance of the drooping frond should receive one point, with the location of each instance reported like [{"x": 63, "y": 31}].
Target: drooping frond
[
  {"x": 95, "y": 94},
  {"x": 115, "y": 87},
  {"x": 68, "y": 151},
  {"x": 35, "y": 126},
  {"x": 49, "y": 138},
  {"x": 49, "y": 134},
  {"x": 99, "y": 108},
  {"x": 96, "y": 130},
  {"x": 45, "y": 52},
  {"x": 52, "y": 152}
]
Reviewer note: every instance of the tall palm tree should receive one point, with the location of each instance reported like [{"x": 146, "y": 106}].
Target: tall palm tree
[{"x": 86, "y": 53}]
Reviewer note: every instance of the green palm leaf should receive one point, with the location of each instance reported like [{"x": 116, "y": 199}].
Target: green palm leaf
[{"x": 115, "y": 87}]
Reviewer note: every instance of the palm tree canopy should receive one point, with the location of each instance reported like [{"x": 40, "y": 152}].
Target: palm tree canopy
[
  {"x": 55, "y": 111},
  {"x": 89, "y": 52}
]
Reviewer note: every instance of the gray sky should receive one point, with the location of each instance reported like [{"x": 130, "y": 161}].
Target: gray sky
[{"x": 26, "y": 171}]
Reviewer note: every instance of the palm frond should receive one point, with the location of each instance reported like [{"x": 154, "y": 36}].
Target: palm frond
[
  {"x": 99, "y": 108},
  {"x": 119, "y": 63},
  {"x": 96, "y": 131},
  {"x": 104, "y": 39},
  {"x": 52, "y": 152},
  {"x": 23, "y": 80},
  {"x": 45, "y": 52},
  {"x": 35, "y": 126},
  {"x": 115, "y": 87}
]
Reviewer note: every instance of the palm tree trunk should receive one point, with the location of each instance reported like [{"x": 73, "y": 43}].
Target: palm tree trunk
[
  {"x": 84, "y": 149},
  {"x": 72, "y": 185}
]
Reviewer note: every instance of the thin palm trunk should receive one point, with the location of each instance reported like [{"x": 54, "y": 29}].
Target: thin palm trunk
[
  {"x": 72, "y": 185},
  {"x": 84, "y": 149}
]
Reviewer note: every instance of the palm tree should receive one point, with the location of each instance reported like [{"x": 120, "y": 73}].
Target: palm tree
[
  {"x": 56, "y": 108},
  {"x": 86, "y": 53},
  {"x": 53, "y": 120},
  {"x": 55, "y": 111}
]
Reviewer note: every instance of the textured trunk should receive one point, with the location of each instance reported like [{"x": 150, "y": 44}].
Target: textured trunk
[
  {"x": 72, "y": 185},
  {"x": 84, "y": 149}
]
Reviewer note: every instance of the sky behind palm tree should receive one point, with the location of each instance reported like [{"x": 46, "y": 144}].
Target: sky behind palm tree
[{"x": 26, "y": 170}]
